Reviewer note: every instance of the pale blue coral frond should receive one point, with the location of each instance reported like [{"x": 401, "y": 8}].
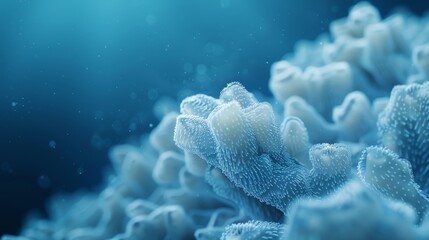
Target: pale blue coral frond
[
  {"x": 384, "y": 171},
  {"x": 253, "y": 230},
  {"x": 403, "y": 128},
  {"x": 352, "y": 212}
]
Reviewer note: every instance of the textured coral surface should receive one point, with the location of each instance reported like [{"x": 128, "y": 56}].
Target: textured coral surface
[{"x": 345, "y": 157}]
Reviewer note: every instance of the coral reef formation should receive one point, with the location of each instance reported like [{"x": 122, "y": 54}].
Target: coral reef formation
[{"x": 345, "y": 158}]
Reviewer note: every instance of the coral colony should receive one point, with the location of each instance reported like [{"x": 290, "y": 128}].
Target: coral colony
[{"x": 347, "y": 157}]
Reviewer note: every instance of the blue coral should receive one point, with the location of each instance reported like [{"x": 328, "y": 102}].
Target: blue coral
[
  {"x": 384, "y": 171},
  {"x": 246, "y": 145},
  {"x": 353, "y": 212},
  {"x": 343, "y": 160},
  {"x": 253, "y": 230},
  {"x": 403, "y": 128}
]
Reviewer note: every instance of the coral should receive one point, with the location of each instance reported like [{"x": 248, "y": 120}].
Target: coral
[
  {"x": 403, "y": 128},
  {"x": 340, "y": 159},
  {"x": 253, "y": 230},
  {"x": 421, "y": 61},
  {"x": 314, "y": 85},
  {"x": 367, "y": 54},
  {"x": 353, "y": 212},
  {"x": 245, "y": 144},
  {"x": 331, "y": 168},
  {"x": 401, "y": 170},
  {"x": 168, "y": 222},
  {"x": 392, "y": 176},
  {"x": 296, "y": 140}
]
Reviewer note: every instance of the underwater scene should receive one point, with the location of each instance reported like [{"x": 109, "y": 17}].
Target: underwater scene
[{"x": 223, "y": 119}]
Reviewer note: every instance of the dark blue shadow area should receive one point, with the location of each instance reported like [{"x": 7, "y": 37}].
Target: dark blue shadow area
[{"x": 78, "y": 76}]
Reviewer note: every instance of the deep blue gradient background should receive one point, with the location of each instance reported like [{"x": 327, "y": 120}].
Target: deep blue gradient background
[{"x": 78, "y": 76}]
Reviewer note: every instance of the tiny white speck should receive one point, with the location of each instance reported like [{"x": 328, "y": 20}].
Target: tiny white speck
[
  {"x": 80, "y": 170},
  {"x": 52, "y": 144}
]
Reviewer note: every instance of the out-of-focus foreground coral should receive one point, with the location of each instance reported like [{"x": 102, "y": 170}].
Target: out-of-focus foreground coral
[{"x": 345, "y": 157}]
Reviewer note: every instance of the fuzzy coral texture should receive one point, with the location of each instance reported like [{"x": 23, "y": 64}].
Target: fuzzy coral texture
[{"x": 345, "y": 156}]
